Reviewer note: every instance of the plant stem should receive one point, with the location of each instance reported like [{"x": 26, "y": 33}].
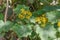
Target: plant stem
[{"x": 5, "y": 17}]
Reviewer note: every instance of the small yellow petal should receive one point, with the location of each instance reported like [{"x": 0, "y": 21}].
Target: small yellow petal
[
  {"x": 27, "y": 17},
  {"x": 58, "y": 24},
  {"x": 20, "y": 16},
  {"x": 22, "y": 10},
  {"x": 37, "y": 19},
  {"x": 29, "y": 13},
  {"x": 24, "y": 13},
  {"x": 44, "y": 20}
]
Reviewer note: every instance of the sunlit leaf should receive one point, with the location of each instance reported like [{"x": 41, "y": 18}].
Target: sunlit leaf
[{"x": 22, "y": 30}]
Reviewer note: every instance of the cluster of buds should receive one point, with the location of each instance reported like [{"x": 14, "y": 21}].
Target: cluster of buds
[
  {"x": 41, "y": 20},
  {"x": 24, "y": 14}
]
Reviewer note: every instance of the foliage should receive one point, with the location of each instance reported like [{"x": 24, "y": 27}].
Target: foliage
[{"x": 32, "y": 21}]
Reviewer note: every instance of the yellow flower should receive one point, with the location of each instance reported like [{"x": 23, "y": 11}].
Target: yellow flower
[
  {"x": 20, "y": 16},
  {"x": 37, "y": 19},
  {"x": 24, "y": 13},
  {"x": 44, "y": 19},
  {"x": 28, "y": 15},
  {"x": 58, "y": 24},
  {"x": 22, "y": 10}
]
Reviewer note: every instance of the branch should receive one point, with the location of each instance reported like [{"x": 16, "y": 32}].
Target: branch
[{"x": 5, "y": 17}]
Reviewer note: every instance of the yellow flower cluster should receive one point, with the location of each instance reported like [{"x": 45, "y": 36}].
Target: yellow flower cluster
[
  {"x": 38, "y": 19},
  {"x": 42, "y": 20},
  {"x": 24, "y": 14},
  {"x": 58, "y": 24}
]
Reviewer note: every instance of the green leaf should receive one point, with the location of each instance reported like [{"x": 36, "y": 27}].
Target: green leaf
[
  {"x": 5, "y": 27},
  {"x": 38, "y": 12},
  {"x": 51, "y": 16},
  {"x": 17, "y": 9},
  {"x": 1, "y": 23},
  {"x": 51, "y": 8},
  {"x": 1, "y": 16},
  {"x": 44, "y": 34},
  {"x": 58, "y": 14},
  {"x": 58, "y": 34},
  {"x": 22, "y": 30}
]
